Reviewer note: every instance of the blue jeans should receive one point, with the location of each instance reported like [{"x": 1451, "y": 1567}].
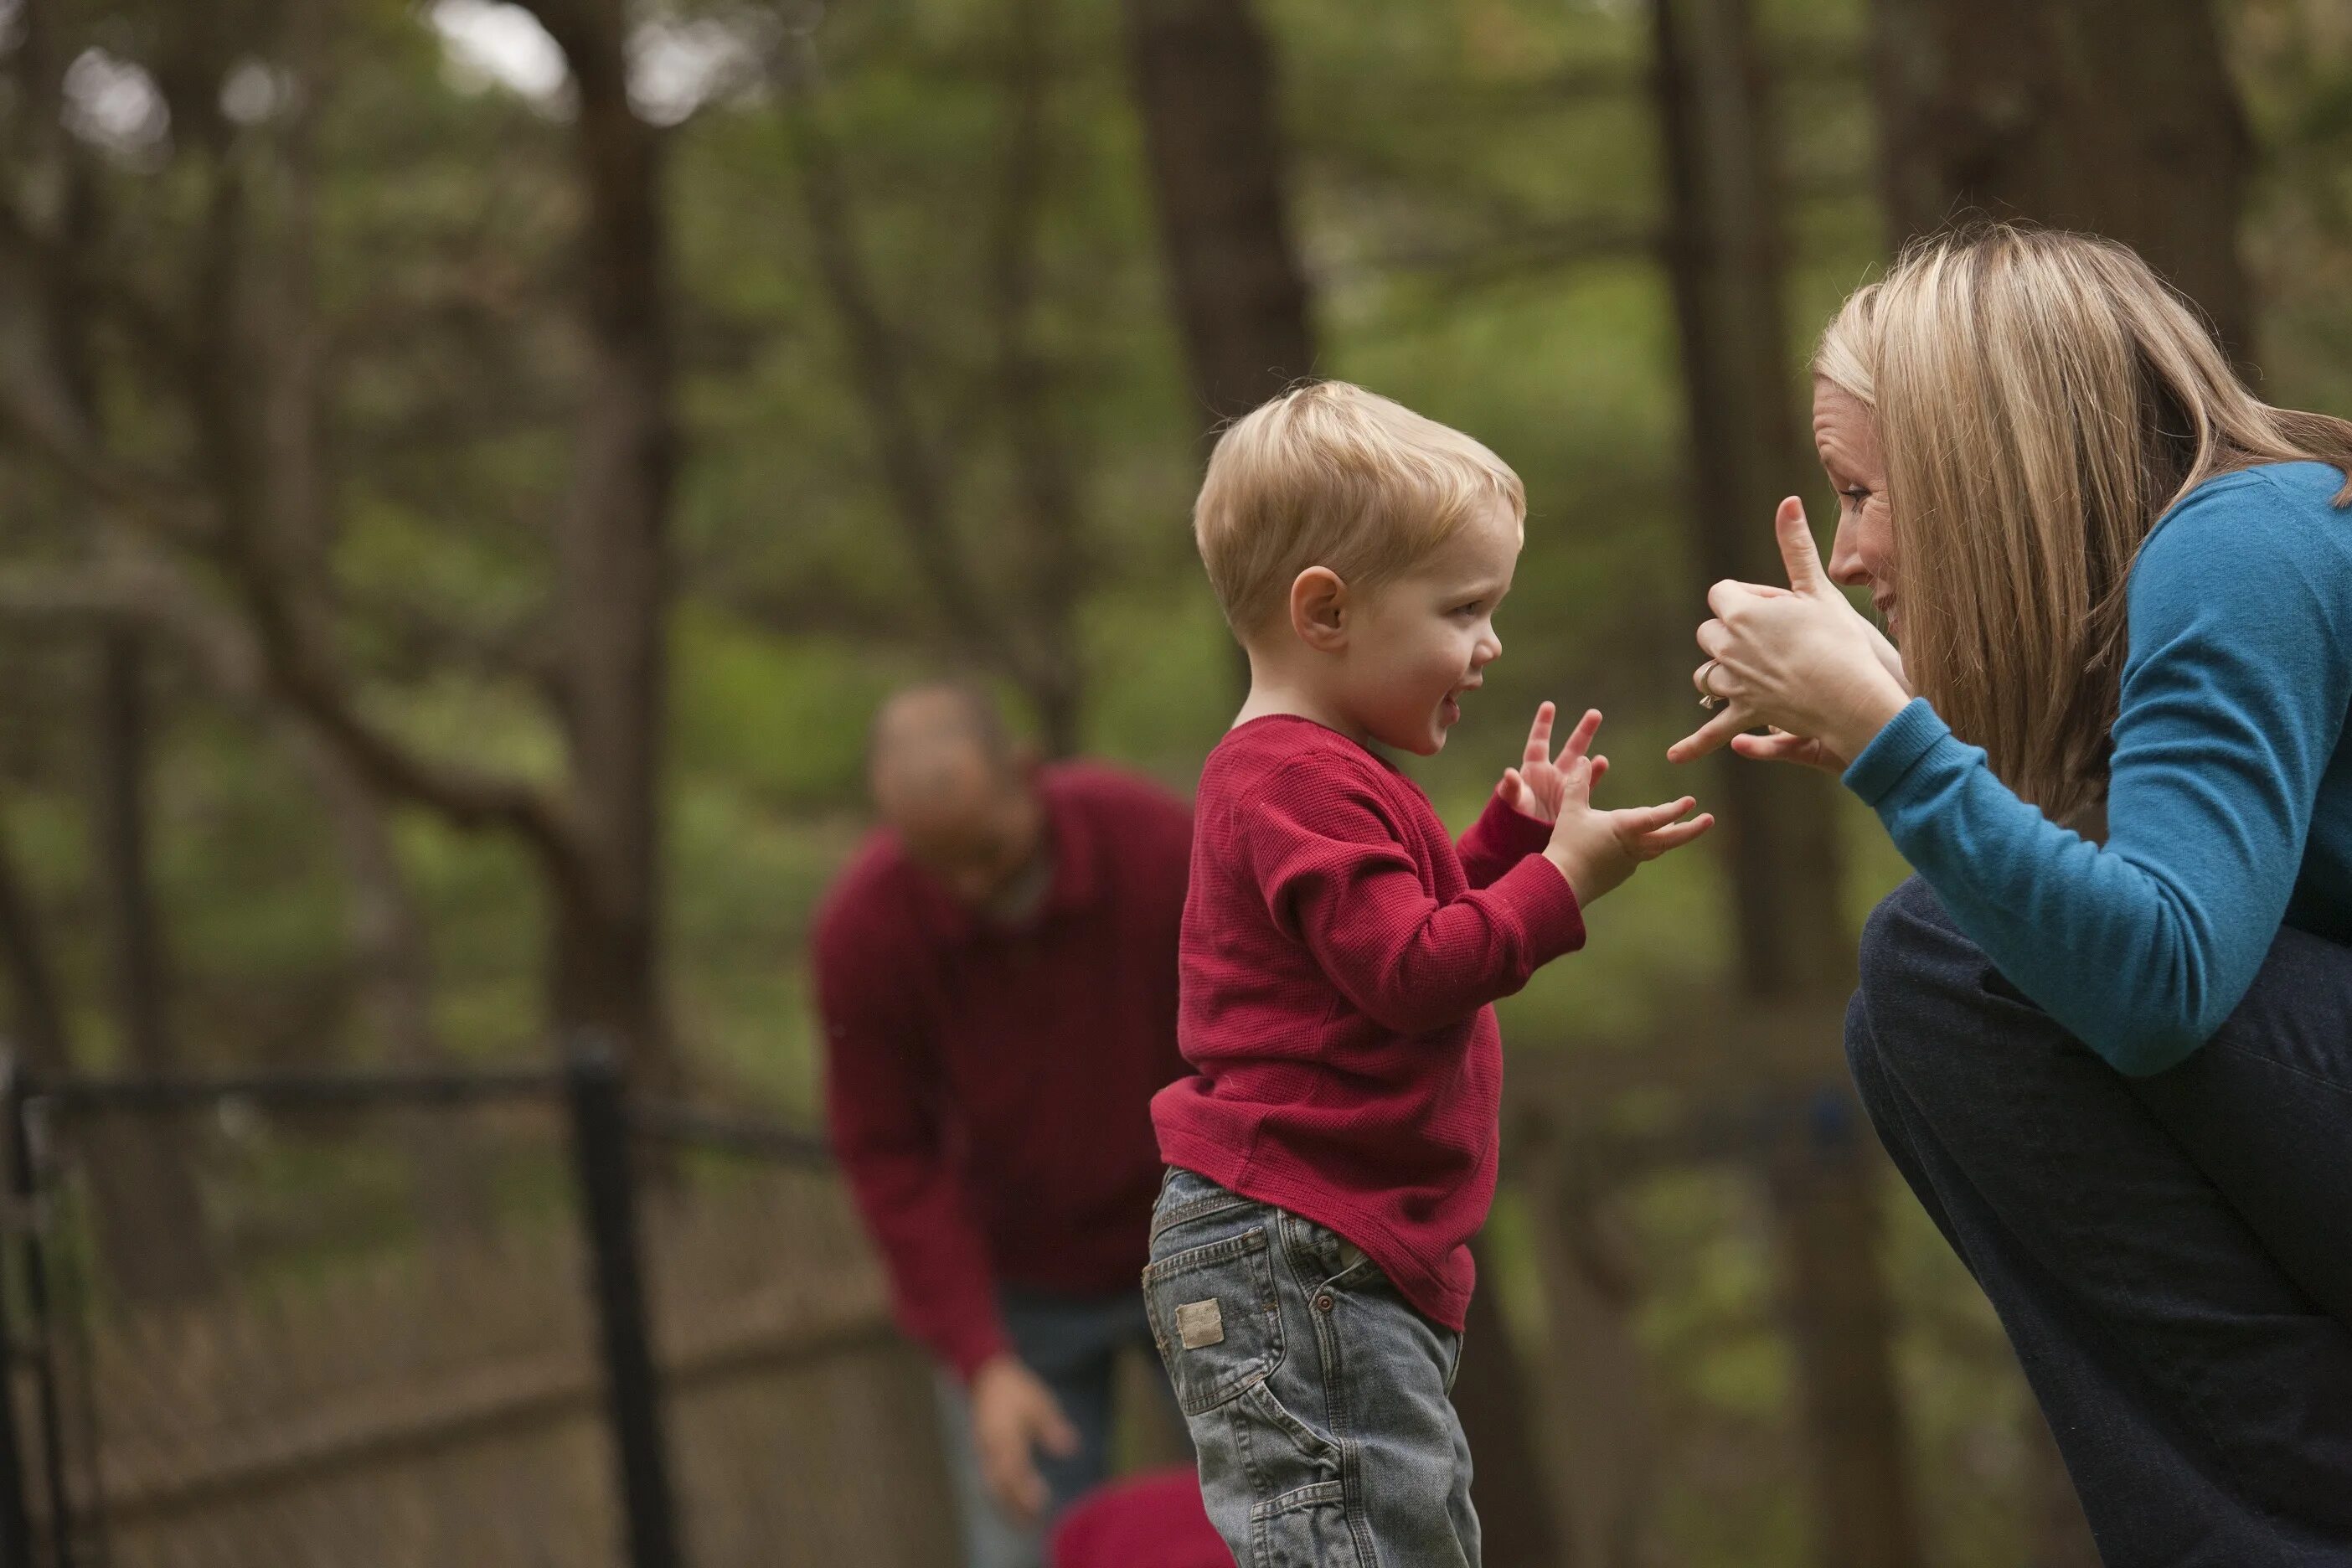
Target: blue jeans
[
  {"x": 1317, "y": 1397},
  {"x": 1072, "y": 1343},
  {"x": 2171, "y": 1257}
]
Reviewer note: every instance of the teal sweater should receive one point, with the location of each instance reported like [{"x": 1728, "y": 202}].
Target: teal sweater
[{"x": 2229, "y": 810}]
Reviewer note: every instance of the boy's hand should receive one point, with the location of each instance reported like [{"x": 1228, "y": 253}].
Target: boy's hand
[
  {"x": 1534, "y": 787},
  {"x": 1595, "y": 850}
]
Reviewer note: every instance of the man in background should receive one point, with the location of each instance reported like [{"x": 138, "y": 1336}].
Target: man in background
[{"x": 996, "y": 968}]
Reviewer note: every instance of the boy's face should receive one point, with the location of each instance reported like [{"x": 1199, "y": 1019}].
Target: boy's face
[{"x": 1417, "y": 643}]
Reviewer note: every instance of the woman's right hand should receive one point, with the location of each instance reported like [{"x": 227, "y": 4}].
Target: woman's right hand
[
  {"x": 1779, "y": 746},
  {"x": 1888, "y": 653}
]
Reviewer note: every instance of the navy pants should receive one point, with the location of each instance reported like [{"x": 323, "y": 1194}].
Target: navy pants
[{"x": 2170, "y": 1256}]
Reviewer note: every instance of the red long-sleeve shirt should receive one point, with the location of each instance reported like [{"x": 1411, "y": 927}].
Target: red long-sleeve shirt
[
  {"x": 987, "y": 1086},
  {"x": 1338, "y": 956}
]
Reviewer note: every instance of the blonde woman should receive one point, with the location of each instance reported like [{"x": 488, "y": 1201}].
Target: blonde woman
[{"x": 2106, "y": 1032}]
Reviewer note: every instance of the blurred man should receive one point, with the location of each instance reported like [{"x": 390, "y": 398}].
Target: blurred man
[{"x": 997, "y": 973}]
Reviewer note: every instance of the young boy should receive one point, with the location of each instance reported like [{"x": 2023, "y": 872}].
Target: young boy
[{"x": 1335, "y": 1150}]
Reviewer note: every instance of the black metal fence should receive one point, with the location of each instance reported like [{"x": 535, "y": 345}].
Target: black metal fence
[{"x": 124, "y": 1423}]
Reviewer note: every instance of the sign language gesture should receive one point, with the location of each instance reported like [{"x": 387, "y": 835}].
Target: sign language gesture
[
  {"x": 1535, "y": 786},
  {"x": 1798, "y": 659},
  {"x": 1595, "y": 850}
]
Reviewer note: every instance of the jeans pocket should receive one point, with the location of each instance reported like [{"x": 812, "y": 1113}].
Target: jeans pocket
[
  {"x": 1215, "y": 1318},
  {"x": 1305, "y": 1528},
  {"x": 1320, "y": 1255}
]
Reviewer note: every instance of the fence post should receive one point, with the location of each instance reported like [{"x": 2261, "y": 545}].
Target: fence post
[
  {"x": 600, "y": 1148},
  {"x": 15, "y": 1522}
]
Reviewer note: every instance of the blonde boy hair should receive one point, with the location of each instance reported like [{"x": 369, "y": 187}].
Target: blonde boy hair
[
  {"x": 2042, "y": 399},
  {"x": 1330, "y": 475}
]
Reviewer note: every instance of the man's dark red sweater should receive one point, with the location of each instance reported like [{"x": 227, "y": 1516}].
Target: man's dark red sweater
[
  {"x": 1340, "y": 954},
  {"x": 987, "y": 1085}
]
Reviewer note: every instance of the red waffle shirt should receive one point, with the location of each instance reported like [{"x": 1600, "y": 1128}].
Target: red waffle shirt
[
  {"x": 987, "y": 1086},
  {"x": 1338, "y": 957}
]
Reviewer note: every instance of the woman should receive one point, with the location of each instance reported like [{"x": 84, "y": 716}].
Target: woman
[{"x": 2106, "y": 1032}]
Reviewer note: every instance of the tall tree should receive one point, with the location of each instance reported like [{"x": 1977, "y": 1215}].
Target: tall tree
[
  {"x": 256, "y": 496},
  {"x": 611, "y": 555},
  {"x": 151, "y": 1212},
  {"x": 1203, "y": 81},
  {"x": 1724, "y": 263},
  {"x": 152, "y": 1215},
  {"x": 2114, "y": 116}
]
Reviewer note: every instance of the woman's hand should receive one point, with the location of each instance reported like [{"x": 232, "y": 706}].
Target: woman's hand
[
  {"x": 1535, "y": 786},
  {"x": 1779, "y": 746},
  {"x": 1798, "y": 659}
]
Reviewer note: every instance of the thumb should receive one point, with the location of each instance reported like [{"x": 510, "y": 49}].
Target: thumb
[
  {"x": 1797, "y": 553},
  {"x": 1511, "y": 786}
]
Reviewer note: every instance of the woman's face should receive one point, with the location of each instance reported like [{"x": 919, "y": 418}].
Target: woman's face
[{"x": 1863, "y": 553}]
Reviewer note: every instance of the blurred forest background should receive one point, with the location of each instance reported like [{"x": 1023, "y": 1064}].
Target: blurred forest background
[{"x": 468, "y": 470}]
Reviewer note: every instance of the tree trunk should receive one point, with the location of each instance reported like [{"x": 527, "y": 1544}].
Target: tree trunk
[
  {"x": 39, "y": 1026},
  {"x": 1599, "y": 1416},
  {"x": 1724, "y": 265},
  {"x": 2114, "y": 116},
  {"x": 612, "y": 566},
  {"x": 1203, "y": 81},
  {"x": 1046, "y": 473},
  {"x": 1822, "y": 1180},
  {"x": 153, "y": 1225},
  {"x": 150, "y": 1211},
  {"x": 1515, "y": 1513}
]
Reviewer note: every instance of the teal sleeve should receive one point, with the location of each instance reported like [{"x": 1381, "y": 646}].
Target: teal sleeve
[{"x": 2233, "y": 697}]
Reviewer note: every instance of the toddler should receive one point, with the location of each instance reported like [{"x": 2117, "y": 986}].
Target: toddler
[{"x": 1335, "y": 1149}]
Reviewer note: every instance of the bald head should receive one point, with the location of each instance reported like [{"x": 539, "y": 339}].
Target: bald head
[{"x": 959, "y": 794}]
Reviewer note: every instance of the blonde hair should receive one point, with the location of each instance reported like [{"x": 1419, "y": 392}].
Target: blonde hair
[
  {"x": 2042, "y": 399},
  {"x": 1330, "y": 475}
]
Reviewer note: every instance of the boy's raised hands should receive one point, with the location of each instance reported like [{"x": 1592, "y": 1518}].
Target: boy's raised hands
[
  {"x": 1595, "y": 850},
  {"x": 1534, "y": 787}
]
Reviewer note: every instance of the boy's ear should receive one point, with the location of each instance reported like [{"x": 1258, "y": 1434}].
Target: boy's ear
[{"x": 1318, "y": 609}]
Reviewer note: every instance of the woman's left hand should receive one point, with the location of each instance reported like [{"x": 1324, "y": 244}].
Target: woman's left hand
[{"x": 1798, "y": 660}]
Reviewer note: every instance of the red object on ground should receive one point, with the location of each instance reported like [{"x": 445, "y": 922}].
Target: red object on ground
[
  {"x": 988, "y": 1087},
  {"x": 1339, "y": 953},
  {"x": 1151, "y": 1520}
]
